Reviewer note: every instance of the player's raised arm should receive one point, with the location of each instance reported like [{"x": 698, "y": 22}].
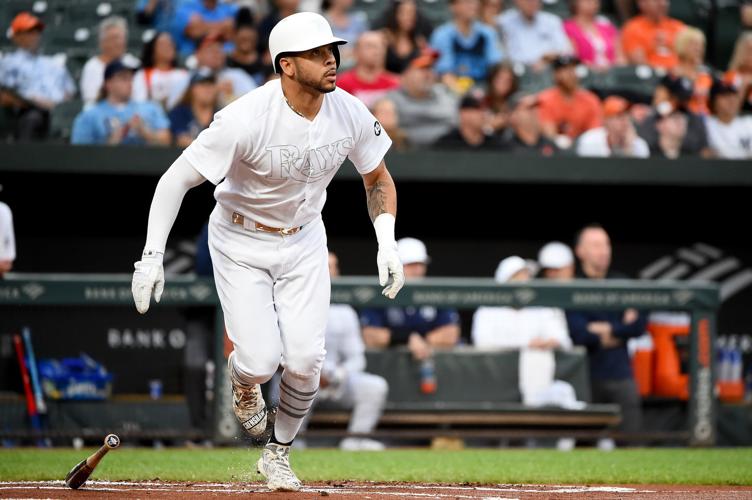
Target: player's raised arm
[
  {"x": 148, "y": 277},
  {"x": 382, "y": 208}
]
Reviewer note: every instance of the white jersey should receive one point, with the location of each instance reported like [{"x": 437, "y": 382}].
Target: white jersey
[
  {"x": 731, "y": 140},
  {"x": 7, "y": 237},
  {"x": 276, "y": 163},
  {"x": 509, "y": 328},
  {"x": 344, "y": 344}
]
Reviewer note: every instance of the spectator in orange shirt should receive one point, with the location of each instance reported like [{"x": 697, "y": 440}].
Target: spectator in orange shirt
[
  {"x": 567, "y": 110},
  {"x": 690, "y": 50},
  {"x": 648, "y": 38},
  {"x": 740, "y": 69}
]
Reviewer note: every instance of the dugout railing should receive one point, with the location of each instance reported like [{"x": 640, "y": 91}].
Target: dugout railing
[{"x": 32, "y": 293}]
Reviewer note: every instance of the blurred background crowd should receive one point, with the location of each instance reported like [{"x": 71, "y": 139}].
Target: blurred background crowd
[{"x": 634, "y": 78}]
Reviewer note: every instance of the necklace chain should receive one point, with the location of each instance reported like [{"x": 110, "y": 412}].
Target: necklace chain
[{"x": 293, "y": 108}]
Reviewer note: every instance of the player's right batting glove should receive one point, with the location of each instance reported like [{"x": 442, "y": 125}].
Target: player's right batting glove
[{"x": 147, "y": 278}]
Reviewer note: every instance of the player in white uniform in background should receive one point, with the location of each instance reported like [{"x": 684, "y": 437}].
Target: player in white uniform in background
[
  {"x": 343, "y": 378},
  {"x": 272, "y": 153}
]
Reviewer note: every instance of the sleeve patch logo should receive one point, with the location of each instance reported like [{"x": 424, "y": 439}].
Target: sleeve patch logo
[{"x": 377, "y": 128}]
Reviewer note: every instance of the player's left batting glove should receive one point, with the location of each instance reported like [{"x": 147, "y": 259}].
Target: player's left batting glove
[
  {"x": 391, "y": 275},
  {"x": 147, "y": 278}
]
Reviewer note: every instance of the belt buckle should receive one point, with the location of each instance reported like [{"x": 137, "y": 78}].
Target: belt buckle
[
  {"x": 288, "y": 231},
  {"x": 237, "y": 218}
]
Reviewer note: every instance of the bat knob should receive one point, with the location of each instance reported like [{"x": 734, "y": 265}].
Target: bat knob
[{"x": 111, "y": 441}]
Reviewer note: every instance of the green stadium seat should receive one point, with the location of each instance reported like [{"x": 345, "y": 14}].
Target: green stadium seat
[
  {"x": 635, "y": 83},
  {"x": 61, "y": 119},
  {"x": 436, "y": 11},
  {"x": 692, "y": 12},
  {"x": 727, "y": 29},
  {"x": 558, "y": 7},
  {"x": 531, "y": 82}
]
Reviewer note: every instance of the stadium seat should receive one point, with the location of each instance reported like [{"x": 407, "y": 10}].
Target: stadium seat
[
  {"x": 634, "y": 83},
  {"x": 61, "y": 119},
  {"x": 531, "y": 82},
  {"x": 558, "y": 7},
  {"x": 727, "y": 28},
  {"x": 692, "y": 12}
]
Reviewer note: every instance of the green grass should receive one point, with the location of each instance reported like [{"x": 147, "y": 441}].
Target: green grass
[{"x": 637, "y": 466}]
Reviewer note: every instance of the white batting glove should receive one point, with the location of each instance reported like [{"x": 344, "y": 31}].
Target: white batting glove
[
  {"x": 147, "y": 278},
  {"x": 391, "y": 275}
]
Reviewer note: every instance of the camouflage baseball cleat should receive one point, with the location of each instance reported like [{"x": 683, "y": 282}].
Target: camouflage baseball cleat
[
  {"x": 274, "y": 465},
  {"x": 247, "y": 403}
]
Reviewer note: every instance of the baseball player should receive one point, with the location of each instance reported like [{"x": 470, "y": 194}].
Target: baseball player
[
  {"x": 272, "y": 153},
  {"x": 343, "y": 377}
]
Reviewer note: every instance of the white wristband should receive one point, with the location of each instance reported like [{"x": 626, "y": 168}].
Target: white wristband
[
  {"x": 152, "y": 255},
  {"x": 384, "y": 226}
]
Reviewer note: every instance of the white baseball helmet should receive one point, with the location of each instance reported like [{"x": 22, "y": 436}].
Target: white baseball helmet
[{"x": 299, "y": 32}]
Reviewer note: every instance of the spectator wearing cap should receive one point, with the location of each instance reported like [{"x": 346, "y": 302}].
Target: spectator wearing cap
[
  {"x": 567, "y": 110},
  {"x": 740, "y": 68},
  {"x": 467, "y": 48},
  {"x": 159, "y": 74},
  {"x": 196, "y": 109},
  {"x": 245, "y": 54},
  {"x": 427, "y": 110},
  {"x": 556, "y": 261},
  {"x": 347, "y": 24},
  {"x": 406, "y": 34},
  {"x": 7, "y": 239},
  {"x": 368, "y": 80},
  {"x": 729, "y": 134},
  {"x": 420, "y": 328},
  {"x": 116, "y": 118},
  {"x": 233, "y": 82},
  {"x": 158, "y": 14},
  {"x": 113, "y": 41},
  {"x": 198, "y": 19},
  {"x": 501, "y": 85},
  {"x": 524, "y": 134},
  {"x": 531, "y": 36},
  {"x": 472, "y": 133},
  {"x": 31, "y": 84},
  {"x": 649, "y": 38},
  {"x": 605, "y": 333},
  {"x": 670, "y": 100},
  {"x": 594, "y": 38},
  {"x": 617, "y": 136},
  {"x": 690, "y": 52}
]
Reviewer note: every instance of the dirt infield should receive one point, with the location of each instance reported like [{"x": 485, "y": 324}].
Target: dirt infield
[{"x": 353, "y": 490}]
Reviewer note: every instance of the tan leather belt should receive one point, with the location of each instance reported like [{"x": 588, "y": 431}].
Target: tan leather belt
[{"x": 240, "y": 219}]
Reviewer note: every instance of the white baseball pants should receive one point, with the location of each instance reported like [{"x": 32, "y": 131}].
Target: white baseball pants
[{"x": 274, "y": 291}]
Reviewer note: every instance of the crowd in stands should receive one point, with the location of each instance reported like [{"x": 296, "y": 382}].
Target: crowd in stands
[{"x": 494, "y": 75}]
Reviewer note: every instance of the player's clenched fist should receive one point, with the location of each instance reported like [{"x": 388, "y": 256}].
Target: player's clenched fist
[
  {"x": 147, "y": 278},
  {"x": 391, "y": 274}
]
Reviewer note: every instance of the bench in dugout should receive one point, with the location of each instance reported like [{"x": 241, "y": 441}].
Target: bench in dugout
[{"x": 477, "y": 396}]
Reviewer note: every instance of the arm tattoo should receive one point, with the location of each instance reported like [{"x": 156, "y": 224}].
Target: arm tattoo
[{"x": 376, "y": 196}]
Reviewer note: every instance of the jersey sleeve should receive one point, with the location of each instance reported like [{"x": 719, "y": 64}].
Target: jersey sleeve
[
  {"x": 371, "y": 140},
  {"x": 373, "y": 317},
  {"x": 215, "y": 150}
]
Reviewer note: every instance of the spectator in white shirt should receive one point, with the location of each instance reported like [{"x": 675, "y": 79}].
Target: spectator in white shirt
[
  {"x": 617, "y": 136},
  {"x": 159, "y": 74},
  {"x": 31, "y": 84},
  {"x": 729, "y": 135},
  {"x": 113, "y": 41},
  {"x": 532, "y": 37}
]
